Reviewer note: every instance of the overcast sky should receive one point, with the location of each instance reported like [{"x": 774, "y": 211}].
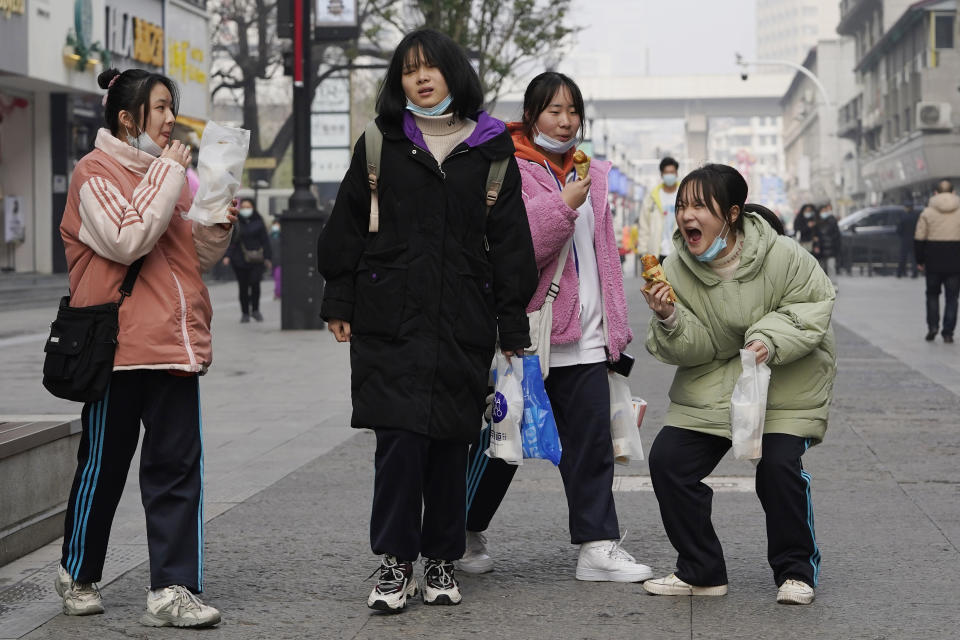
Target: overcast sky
[{"x": 684, "y": 37}]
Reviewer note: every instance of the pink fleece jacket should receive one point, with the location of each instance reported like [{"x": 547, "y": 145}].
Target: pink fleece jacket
[{"x": 552, "y": 224}]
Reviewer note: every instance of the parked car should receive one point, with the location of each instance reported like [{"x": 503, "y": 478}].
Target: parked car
[{"x": 870, "y": 239}]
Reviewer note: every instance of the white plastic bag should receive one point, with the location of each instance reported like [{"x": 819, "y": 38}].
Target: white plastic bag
[
  {"x": 623, "y": 422},
  {"x": 505, "y": 442},
  {"x": 223, "y": 151},
  {"x": 748, "y": 407}
]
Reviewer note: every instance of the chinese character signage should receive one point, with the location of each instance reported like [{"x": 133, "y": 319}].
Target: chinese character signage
[{"x": 188, "y": 57}]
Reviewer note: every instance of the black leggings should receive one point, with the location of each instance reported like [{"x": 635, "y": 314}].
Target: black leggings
[{"x": 248, "y": 278}]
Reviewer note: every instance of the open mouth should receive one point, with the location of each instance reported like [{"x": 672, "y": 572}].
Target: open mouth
[{"x": 693, "y": 235}]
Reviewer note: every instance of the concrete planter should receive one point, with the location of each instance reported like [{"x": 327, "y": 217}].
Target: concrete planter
[{"x": 38, "y": 457}]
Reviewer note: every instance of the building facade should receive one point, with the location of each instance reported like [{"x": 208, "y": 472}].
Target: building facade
[
  {"x": 754, "y": 146},
  {"x": 50, "y": 105},
  {"x": 904, "y": 118},
  {"x": 813, "y": 153},
  {"x": 787, "y": 29}
]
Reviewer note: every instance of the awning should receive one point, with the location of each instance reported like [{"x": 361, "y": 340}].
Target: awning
[{"x": 196, "y": 124}]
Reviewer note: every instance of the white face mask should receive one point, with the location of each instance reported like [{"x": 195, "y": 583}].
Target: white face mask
[
  {"x": 544, "y": 141},
  {"x": 145, "y": 143}
]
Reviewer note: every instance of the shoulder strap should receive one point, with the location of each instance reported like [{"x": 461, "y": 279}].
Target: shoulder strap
[
  {"x": 373, "y": 145},
  {"x": 495, "y": 176},
  {"x": 126, "y": 289},
  {"x": 554, "y": 289},
  {"x": 498, "y": 171}
]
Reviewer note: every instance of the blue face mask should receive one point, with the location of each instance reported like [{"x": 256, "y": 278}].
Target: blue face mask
[
  {"x": 544, "y": 141},
  {"x": 719, "y": 244},
  {"x": 145, "y": 143},
  {"x": 442, "y": 106},
  {"x": 669, "y": 179}
]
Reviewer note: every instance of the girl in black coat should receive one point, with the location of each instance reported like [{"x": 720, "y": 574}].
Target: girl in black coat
[
  {"x": 422, "y": 301},
  {"x": 249, "y": 254}
]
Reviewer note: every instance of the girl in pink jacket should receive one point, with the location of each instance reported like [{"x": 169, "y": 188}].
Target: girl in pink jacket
[
  {"x": 126, "y": 203},
  {"x": 590, "y": 330}
]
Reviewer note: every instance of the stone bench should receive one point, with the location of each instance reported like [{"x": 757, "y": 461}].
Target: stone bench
[{"x": 38, "y": 457}]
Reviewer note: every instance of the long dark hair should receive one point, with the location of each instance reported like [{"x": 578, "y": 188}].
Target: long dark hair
[
  {"x": 719, "y": 188},
  {"x": 438, "y": 50},
  {"x": 540, "y": 92},
  {"x": 130, "y": 91}
]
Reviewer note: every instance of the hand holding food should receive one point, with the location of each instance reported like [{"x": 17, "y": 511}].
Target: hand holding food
[
  {"x": 581, "y": 162},
  {"x": 653, "y": 273}
]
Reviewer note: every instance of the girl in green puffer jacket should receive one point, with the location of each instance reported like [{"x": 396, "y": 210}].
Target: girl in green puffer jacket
[{"x": 739, "y": 285}]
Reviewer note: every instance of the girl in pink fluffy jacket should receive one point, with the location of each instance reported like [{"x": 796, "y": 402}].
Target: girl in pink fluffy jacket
[{"x": 590, "y": 329}]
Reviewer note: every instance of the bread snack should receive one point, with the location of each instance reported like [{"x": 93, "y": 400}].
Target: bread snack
[
  {"x": 581, "y": 162},
  {"x": 653, "y": 273}
]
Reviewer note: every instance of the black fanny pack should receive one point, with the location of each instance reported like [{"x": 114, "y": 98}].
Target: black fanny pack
[{"x": 81, "y": 346}]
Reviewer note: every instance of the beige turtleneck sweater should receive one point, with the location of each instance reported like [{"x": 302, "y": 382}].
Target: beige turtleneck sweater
[{"x": 443, "y": 133}]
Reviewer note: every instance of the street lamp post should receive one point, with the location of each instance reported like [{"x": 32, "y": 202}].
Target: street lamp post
[
  {"x": 744, "y": 64},
  {"x": 302, "y": 221}
]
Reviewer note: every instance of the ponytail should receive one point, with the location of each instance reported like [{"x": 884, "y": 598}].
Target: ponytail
[{"x": 772, "y": 219}]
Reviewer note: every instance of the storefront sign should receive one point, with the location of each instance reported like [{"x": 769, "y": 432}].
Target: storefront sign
[
  {"x": 188, "y": 57},
  {"x": 134, "y": 37},
  {"x": 10, "y": 7},
  {"x": 13, "y": 36}
]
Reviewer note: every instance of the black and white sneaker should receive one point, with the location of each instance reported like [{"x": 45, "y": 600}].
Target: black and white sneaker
[
  {"x": 395, "y": 585},
  {"x": 439, "y": 584}
]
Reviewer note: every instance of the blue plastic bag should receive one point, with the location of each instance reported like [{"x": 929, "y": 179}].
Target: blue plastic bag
[{"x": 538, "y": 431}]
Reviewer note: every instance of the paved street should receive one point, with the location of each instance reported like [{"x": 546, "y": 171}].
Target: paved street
[{"x": 289, "y": 486}]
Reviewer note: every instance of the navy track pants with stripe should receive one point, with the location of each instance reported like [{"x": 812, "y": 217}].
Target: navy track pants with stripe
[
  {"x": 680, "y": 459},
  {"x": 171, "y": 476},
  {"x": 580, "y": 397}
]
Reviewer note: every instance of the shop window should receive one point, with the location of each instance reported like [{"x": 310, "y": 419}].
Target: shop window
[{"x": 943, "y": 32}]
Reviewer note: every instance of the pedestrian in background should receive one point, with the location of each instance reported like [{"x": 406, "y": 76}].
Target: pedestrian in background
[
  {"x": 421, "y": 301},
  {"x": 827, "y": 240},
  {"x": 590, "y": 329},
  {"x": 126, "y": 202},
  {"x": 739, "y": 285},
  {"x": 275, "y": 253},
  {"x": 907, "y": 230},
  {"x": 249, "y": 255},
  {"x": 938, "y": 255},
  {"x": 657, "y": 221},
  {"x": 805, "y": 226}
]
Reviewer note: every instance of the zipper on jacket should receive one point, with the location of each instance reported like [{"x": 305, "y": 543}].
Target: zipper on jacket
[
  {"x": 183, "y": 322},
  {"x": 452, "y": 155}
]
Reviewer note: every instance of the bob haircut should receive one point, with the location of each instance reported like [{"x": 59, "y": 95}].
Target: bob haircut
[
  {"x": 719, "y": 188},
  {"x": 434, "y": 49},
  {"x": 540, "y": 93},
  {"x": 131, "y": 92}
]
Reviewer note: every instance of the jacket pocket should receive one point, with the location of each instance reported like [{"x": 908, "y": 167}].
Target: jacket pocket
[
  {"x": 380, "y": 290},
  {"x": 477, "y": 319}
]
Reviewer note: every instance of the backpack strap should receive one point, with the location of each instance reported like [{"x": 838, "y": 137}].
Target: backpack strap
[
  {"x": 498, "y": 171},
  {"x": 373, "y": 144}
]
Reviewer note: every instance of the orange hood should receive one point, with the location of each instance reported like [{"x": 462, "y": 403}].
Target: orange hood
[{"x": 526, "y": 150}]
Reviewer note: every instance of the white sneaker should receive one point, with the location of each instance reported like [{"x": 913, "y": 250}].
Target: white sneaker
[
  {"x": 78, "y": 599},
  {"x": 606, "y": 561},
  {"x": 475, "y": 559},
  {"x": 674, "y": 586},
  {"x": 395, "y": 584},
  {"x": 177, "y": 606},
  {"x": 795, "y": 592},
  {"x": 439, "y": 584}
]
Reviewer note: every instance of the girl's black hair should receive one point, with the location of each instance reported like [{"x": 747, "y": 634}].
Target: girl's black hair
[
  {"x": 719, "y": 188},
  {"x": 437, "y": 50},
  {"x": 540, "y": 93},
  {"x": 131, "y": 92}
]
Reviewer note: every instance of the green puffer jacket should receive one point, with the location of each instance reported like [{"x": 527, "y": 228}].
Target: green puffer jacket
[{"x": 778, "y": 295}]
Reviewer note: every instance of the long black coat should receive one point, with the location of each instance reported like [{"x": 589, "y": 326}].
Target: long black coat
[{"x": 424, "y": 297}]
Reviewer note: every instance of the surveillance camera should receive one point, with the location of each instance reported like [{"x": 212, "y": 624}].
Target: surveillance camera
[{"x": 743, "y": 76}]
